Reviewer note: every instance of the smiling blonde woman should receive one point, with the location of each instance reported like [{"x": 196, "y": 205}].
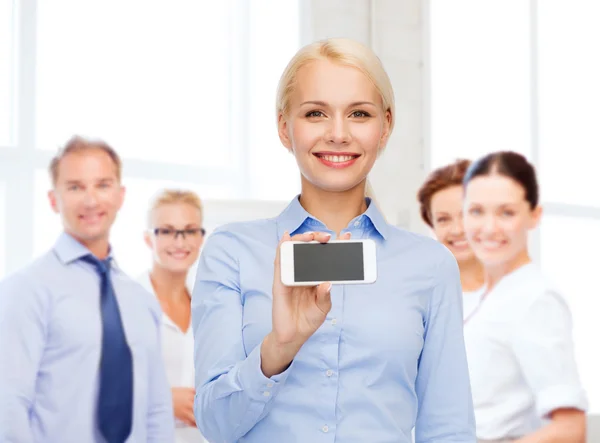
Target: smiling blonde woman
[
  {"x": 345, "y": 363},
  {"x": 174, "y": 235}
]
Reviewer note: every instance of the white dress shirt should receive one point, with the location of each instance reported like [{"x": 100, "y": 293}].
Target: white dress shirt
[
  {"x": 471, "y": 301},
  {"x": 178, "y": 357},
  {"x": 520, "y": 352}
]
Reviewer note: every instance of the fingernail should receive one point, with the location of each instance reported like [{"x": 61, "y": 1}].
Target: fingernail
[
  {"x": 310, "y": 232},
  {"x": 327, "y": 234},
  {"x": 329, "y": 287}
]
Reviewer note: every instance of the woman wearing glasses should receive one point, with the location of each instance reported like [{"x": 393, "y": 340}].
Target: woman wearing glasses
[
  {"x": 519, "y": 341},
  {"x": 174, "y": 236}
]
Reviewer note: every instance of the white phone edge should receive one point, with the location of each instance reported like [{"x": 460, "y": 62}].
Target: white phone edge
[{"x": 369, "y": 264}]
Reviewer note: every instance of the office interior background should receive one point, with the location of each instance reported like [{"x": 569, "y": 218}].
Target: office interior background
[{"x": 185, "y": 91}]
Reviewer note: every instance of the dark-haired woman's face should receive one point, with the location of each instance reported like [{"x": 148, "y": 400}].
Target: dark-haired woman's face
[
  {"x": 497, "y": 219},
  {"x": 447, "y": 219}
]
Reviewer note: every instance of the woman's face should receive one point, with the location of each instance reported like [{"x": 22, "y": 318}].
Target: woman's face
[
  {"x": 447, "y": 218},
  {"x": 335, "y": 127},
  {"x": 171, "y": 249},
  {"x": 498, "y": 219}
]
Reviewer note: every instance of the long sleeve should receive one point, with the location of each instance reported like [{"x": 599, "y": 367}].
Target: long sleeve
[
  {"x": 443, "y": 389},
  {"x": 232, "y": 393},
  {"x": 23, "y": 314},
  {"x": 161, "y": 423}
]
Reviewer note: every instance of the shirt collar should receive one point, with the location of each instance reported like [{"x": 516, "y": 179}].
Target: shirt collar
[
  {"x": 295, "y": 216},
  {"x": 146, "y": 282},
  {"x": 377, "y": 219},
  {"x": 69, "y": 250}
]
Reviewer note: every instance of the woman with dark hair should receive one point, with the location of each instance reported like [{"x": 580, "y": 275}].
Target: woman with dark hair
[
  {"x": 525, "y": 382},
  {"x": 441, "y": 206}
]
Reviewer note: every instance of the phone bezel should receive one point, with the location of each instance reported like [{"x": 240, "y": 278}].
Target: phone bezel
[{"x": 369, "y": 263}]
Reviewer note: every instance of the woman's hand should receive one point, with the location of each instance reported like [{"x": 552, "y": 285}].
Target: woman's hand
[
  {"x": 298, "y": 311},
  {"x": 183, "y": 405}
]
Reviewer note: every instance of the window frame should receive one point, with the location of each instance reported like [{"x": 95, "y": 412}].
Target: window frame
[
  {"x": 20, "y": 161},
  {"x": 550, "y": 207}
]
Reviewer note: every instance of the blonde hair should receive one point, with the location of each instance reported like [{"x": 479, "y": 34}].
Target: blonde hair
[
  {"x": 173, "y": 196},
  {"x": 78, "y": 144},
  {"x": 345, "y": 52}
]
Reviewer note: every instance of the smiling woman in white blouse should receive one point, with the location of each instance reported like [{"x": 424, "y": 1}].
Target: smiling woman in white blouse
[
  {"x": 174, "y": 236},
  {"x": 519, "y": 342}
]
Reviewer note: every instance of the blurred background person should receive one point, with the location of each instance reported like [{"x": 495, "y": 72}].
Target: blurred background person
[
  {"x": 79, "y": 340},
  {"x": 174, "y": 236},
  {"x": 441, "y": 207},
  {"x": 519, "y": 338}
]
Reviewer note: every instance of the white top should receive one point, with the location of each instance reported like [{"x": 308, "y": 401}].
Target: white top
[
  {"x": 178, "y": 356},
  {"x": 520, "y": 352},
  {"x": 471, "y": 301}
]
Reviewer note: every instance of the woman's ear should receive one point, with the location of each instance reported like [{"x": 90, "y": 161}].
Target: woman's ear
[
  {"x": 284, "y": 132},
  {"x": 147, "y": 239},
  {"x": 536, "y": 216},
  {"x": 385, "y": 133}
]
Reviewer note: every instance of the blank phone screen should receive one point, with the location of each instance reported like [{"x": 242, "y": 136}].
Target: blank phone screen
[{"x": 328, "y": 262}]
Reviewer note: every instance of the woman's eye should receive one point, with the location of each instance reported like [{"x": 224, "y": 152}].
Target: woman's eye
[
  {"x": 314, "y": 114},
  {"x": 360, "y": 114}
]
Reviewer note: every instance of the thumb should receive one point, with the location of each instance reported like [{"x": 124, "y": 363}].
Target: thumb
[{"x": 323, "y": 298}]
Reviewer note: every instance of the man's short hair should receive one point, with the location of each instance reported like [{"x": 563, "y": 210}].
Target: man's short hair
[{"x": 81, "y": 144}]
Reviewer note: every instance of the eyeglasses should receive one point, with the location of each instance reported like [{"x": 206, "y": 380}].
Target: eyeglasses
[{"x": 174, "y": 233}]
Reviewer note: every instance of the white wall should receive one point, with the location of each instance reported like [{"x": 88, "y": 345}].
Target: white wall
[{"x": 394, "y": 29}]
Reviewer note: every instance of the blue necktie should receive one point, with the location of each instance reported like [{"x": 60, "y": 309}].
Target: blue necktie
[{"x": 115, "y": 399}]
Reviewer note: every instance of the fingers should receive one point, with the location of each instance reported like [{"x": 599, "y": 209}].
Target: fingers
[
  {"x": 321, "y": 237},
  {"x": 191, "y": 395},
  {"x": 323, "y": 298},
  {"x": 189, "y": 412},
  {"x": 345, "y": 236},
  {"x": 189, "y": 417}
]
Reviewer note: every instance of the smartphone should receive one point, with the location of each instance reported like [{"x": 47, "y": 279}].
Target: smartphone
[{"x": 340, "y": 262}]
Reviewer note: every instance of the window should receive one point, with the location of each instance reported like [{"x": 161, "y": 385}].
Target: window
[
  {"x": 7, "y": 67},
  {"x": 273, "y": 169},
  {"x": 569, "y": 255},
  {"x": 480, "y": 77},
  {"x": 569, "y": 106},
  {"x": 138, "y": 74},
  {"x": 46, "y": 223},
  {"x": 184, "y": 91}
]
